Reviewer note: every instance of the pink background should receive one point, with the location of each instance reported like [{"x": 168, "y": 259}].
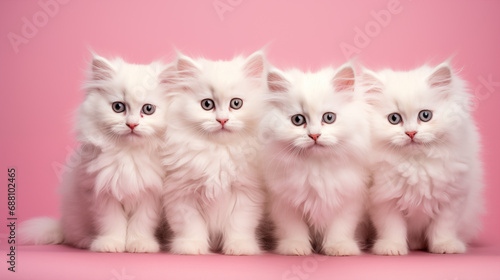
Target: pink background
[{"x": 40, "y": 88}]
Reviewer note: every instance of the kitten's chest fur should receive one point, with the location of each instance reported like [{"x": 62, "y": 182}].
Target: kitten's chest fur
[
  {"x": 319, "y": 188},
  {"x": 209, "y": 169},
  {"x": 126, "y": 172},
  {"x": 422, "y": 184}
]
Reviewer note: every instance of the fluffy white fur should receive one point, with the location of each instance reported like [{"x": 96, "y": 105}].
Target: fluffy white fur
[
  {"x": 317, "y": 189},
  {"x": 426, "y": 193},
  {"x": 111, "y": 194},
  {"x": 212, "y": 189}
]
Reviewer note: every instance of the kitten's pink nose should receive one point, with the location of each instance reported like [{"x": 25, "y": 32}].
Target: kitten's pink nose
[
  {"x": 314, "y": 136},
  {"x": 132, "y": 125},
  {"x": 222, "y": 122},
  {"x": 411, "y": 134}
]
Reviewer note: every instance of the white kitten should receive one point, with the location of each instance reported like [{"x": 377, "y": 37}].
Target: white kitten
[
  {"x": 427, "y": 173},
  {"x": 212, "y": 190},
  {"x": 111, "y": 198},
  {"x": 317, "y": 135}
]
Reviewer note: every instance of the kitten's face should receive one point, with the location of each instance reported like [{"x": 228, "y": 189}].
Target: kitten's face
[
  {"x": 124, "y": 104},
  {"x": 221, "y": 99},
  {"x": 314, "y": 113},
  {"x": 413, "y": 110}
]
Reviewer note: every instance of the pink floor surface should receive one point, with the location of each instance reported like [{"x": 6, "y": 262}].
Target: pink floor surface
[{"x": 62, "y": 262}]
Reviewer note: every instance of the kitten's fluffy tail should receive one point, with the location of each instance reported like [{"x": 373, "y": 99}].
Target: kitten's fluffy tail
[{"x": 41, "y": 231}]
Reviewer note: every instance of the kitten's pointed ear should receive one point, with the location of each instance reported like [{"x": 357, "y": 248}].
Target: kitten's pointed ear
[
  {"x": 371, "y": 83},
  {"x": 276, "y": 81},
  {"x": 186, "y": 67},
  {"x": 168, "y": 76},
  {"x": 101, "y": 68},
  {"x": 344, "y": 79},
  {"x": 441, "y": 76},
  {"x": 255, "y": 65}
]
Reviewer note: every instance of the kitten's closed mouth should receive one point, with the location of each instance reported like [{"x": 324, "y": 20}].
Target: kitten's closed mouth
[
  {"x": 316, "y": 146},
  {"x": 223, "y": 130},
  {"x": 132, "y": 134},
  {"x": 414, "y": 144}
]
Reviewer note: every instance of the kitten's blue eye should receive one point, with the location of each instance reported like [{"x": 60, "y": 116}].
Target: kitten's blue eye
[
  {"x": 329, "y": 117},
  {"x": 425, "y": 115},
  {"x": 118, "y": 107},
  {"x": 148, "y": 109},
  {"x": 394, "y": 118},
  {"x": 236, "y": 103},
  {"x": 298, "y": 119},
  {"x": 207, "y": 104}
]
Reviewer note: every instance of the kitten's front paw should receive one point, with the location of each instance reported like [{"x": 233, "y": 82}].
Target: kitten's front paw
[
  {"x": 144, "y": 245},
  {"x": 190, "y": 247},
  {"x": 108, "y": 244},
  {"x": 449, "y": 246},
  {"x": 294, "y": 247},
  {"x": 390, "y": 248},
  {"x": 342, "y": 248},
  {"x": 241, "y": 247}
]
